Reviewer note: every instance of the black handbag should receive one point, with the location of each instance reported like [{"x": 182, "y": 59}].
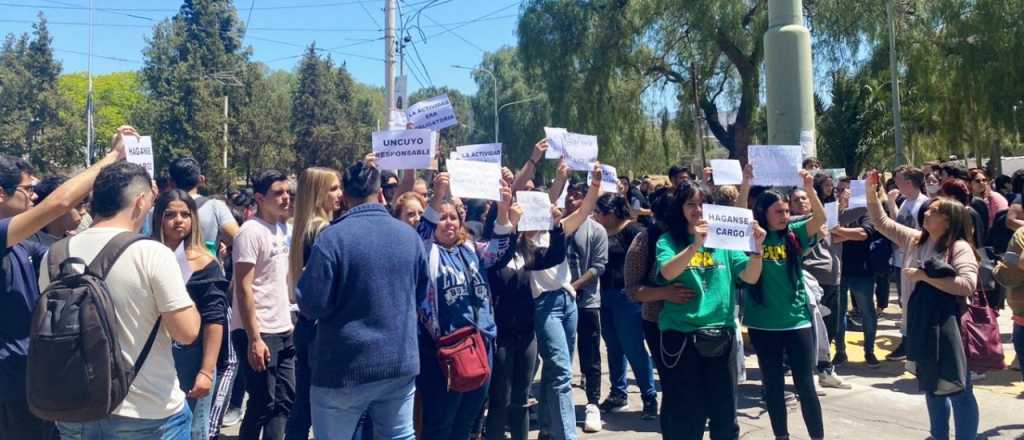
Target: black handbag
[{"x": 713, "y": 342}]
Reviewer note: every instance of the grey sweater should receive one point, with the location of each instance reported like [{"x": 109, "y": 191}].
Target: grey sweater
[{"x": 588, "y": 252}]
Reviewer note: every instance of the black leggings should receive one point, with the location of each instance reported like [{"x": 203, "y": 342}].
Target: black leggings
[
  {"x": 798, "y": 347},
  {"x": 514, "y": 367}
]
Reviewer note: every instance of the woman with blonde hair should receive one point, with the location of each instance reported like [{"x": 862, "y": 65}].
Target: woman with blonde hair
[
  {"x": 409, "y": 208},
  {"x": 318, "y": 197},
  {"x": 206, "y": 368}
]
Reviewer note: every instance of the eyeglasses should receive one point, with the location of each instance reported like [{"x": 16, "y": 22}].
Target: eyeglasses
[{"x": 28, "y": 189}]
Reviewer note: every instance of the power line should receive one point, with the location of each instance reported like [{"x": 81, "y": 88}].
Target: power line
[
  {"x": 464, "y": 40},
  {"x": 143, "y": 26},
  {"x": 286, "y": 43},
  {"x": 101, "y": 10},
  {"x": 265, "y": 8},
  {"x": 248, "y": 18},
  {"x": 368, "y": 14},
  {"x": 123, "y": 60}
]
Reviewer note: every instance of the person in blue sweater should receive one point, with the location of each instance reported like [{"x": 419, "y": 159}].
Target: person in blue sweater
[
  {"x": 458, "y": 296},
  {"x": 361, "y": 283}
]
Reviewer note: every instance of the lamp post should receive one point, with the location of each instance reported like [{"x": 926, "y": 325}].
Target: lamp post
[{"x": 495, "y": 79}]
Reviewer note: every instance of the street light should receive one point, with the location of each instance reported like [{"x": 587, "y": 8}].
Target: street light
[{"x": 495, "y": 78}]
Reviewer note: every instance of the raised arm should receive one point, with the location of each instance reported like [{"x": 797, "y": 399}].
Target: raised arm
[
  {"x": 431, "y": 216},
  {"x": 818, "y": 216},
  {"x": 561, "y": 176},
  {"x": 498, "y": 248},
  {"x": 899, "y": 234},
  {"x": 752, "y": 273},
  {"x": 530, "y": 167},
  {"x": 675, "y": 266},
  {"x": 748, "y": 176},
  {"x": 574, "y": 220}
]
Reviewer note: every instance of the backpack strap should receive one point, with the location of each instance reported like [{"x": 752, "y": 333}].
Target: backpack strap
[
  {"x": 59, "y": 252},
  {"x": 145, "y": 350},
  {"x": 202, "y": 201},
  {"x": 112, "y": 251}
]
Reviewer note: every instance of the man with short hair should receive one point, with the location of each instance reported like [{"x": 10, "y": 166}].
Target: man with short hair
[
  {"x": 20, "y": 219},
  {"x": 910, "y": 184},
  {"x": 64, "y": 225},
  {"x": 145, "y": 294},
  {"x": 361, "y": 283},
  {"x": 811, "y": 164},
  {"x": 678, "y": 174},
  {"x": 214, "y": 215},
  {"x": 261, "y": 296}
]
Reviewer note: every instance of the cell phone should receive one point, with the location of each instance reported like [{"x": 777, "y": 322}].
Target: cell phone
[{"x": 1011, "y": 259}]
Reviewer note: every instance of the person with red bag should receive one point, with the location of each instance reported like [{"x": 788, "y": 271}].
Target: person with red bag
[
  {"x": 937, "y": 260},
  {"x": 456, "y": 315}
]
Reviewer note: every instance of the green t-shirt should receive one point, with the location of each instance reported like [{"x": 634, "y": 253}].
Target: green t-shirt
[
  {"x": 785, "y": 302},
  {"x": 712, "y": 275}
]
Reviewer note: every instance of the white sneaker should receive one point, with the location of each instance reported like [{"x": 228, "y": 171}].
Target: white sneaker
[
  {"x": 829, "y": 379},
  {"x": 593, "y": 421}
]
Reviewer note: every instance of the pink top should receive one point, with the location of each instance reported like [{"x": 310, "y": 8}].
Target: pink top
[{"x": 996, "y": 203}]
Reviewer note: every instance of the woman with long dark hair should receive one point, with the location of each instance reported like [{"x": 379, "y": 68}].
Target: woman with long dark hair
[
  {"x": 203, "y": 365},
  {"x": 697, "y": 335},
  {"x": 775, "y": 309}
]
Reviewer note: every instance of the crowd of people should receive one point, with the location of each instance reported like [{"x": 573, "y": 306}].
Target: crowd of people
[{"x": 363, "y": 304}]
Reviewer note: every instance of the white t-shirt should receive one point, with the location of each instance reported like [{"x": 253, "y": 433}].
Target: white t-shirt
[
  {"x": 141, "y": 287},
  {"x": 550, "y": 279},
  {"x": 266, "y": 246}
]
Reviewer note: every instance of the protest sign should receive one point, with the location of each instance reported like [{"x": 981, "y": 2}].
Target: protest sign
[
  {"x": 554, "y": 136},
  {"x": 858, "y": 194},
  {"x": 727, "y": 171},
  {"x": 579, "y": 150},
  {"x": 474, "y": 180},
  {"x": 561, "y": 197},
  {"x": 480, "y": 153},
  {"x": 776, "y": 165},
  {"x": 397, "y": 120},
  {"x": 435, "y": 113},
  {"x": 808, "y": 143},
  {"x": 836, "y": 173},
  {"x": 403, "y": 149},
  {"x": 609, "y": 178},
  {"x": 832, "y": 214},
  {"x": 139, "y": 150},
  {"x": 536, "y": 211},
  {"x": 729, "y": 228}
]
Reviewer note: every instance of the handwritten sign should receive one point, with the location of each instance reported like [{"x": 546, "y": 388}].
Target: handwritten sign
[
  {"x": 729, "y": 228},
  {"x": 776, "y": 165},
  {"x": 139, "y": 150},
  {"x": 832, "y": 214},
  {"x": 858, "y": 194},
  {"x": 536, "y": 211},
  {"x": 403, "y": 149},
  {"x": 609, "y": 178},
  {"x": 554, "y": 136},
  {"x": 808, "y": 143},
  {"x": 561, "y": 196},
  {"x": 480, "y": 153},
  {"x": 727, "y": 171},
  {"x": 475, "y": 180},
  {"x": 435, "y": 113},
  {"x": 579, "y": 150}
]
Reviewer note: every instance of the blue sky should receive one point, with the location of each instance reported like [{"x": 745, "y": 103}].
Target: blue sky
[{"x": 455, "y": 31}]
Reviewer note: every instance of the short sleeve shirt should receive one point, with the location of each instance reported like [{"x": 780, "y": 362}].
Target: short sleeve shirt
[
  {"x": 18, "y": 300},
  {"x": 141, "y": 288},
  {"x": 784, "y": 305},
  {"x": 266, "y": 246},
  {"x": 213, "y": 215},
  {"x": 712, "y": 274}
]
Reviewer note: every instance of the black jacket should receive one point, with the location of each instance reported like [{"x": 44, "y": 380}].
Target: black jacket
[
  {"x": 513, "y": 299},
  {"x": 933, "y": 331}
]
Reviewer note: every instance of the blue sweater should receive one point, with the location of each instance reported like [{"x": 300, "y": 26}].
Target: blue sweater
[{"x": 361, "y": 283}]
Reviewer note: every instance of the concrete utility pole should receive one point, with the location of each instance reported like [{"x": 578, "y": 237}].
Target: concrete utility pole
[
  {"x": 90, "y": 127},
  {"x": 789, "y": 75},
  {"x": 389, "y": 56},
  {"x": 895, "y": 77}
]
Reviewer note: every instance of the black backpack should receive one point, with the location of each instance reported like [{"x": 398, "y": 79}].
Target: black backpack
[{"x": 76, "y": 372}]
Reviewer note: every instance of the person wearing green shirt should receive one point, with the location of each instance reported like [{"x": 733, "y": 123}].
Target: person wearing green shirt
[
  {"x": 698, "y": 333},
  {"x": 775, "y": 308}
]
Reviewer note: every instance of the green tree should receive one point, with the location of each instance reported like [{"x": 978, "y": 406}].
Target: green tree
[
  {"x": 116, "y": 98},
  {"x": 192, "y": 61},
  {"x": 263, "y": 131}
]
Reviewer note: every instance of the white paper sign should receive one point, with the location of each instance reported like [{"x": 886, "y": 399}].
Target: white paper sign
[
  {"x": 836, "y": 173},
  {"x": 776, "y": 165},
  {"x": 139, "y": 150},
  {"x": 481, "y": 153},
  {"x": 475, "y": 180},
  {"x": 435, "y": 113},
  {"x": 554, "y": 136},
  {"x": 397, "y": 120},
  {"x": 403, "y": 149},
  {"x": 727, "y": 171},
  {"x": 808, "y": 143},
  {"x": 561, "y": 198},
  {"x": 729, "y": 228},
  {"x": 832, "y": 214},
  {"x": 580, "y": 150},
  {"x": 536, "y": 211},
  {"x": 858, "y": 194},
  {"x": 609, "y": 178}
]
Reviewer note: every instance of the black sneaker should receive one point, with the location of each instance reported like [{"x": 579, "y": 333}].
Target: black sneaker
[
  {"x": 650, "y": 408},
  {"x": 839, "y": 359},
  {"x": 614, "y": 404},
  {"x": 871, "y": 360},
  {"x": 899, "y": 354}
]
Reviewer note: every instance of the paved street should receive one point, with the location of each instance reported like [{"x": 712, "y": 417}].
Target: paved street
[{"x": 883, "y": 404}]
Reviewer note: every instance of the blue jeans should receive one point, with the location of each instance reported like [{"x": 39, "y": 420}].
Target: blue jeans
[
  {"x": 336, "y": 411},
  {"x": 176, "y": 427},
  {"x": 965, "y": 414},
  {"x": 188, "y": 360},
  {"x": 555, "y": 323},
  {"x": 863, "y": 290},
  {"x": 447, "y": 414},
  {"x": 299, "y": 420},
  {"x": 622, "y": 329},
  {"x": 1018, "y": 344}
]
